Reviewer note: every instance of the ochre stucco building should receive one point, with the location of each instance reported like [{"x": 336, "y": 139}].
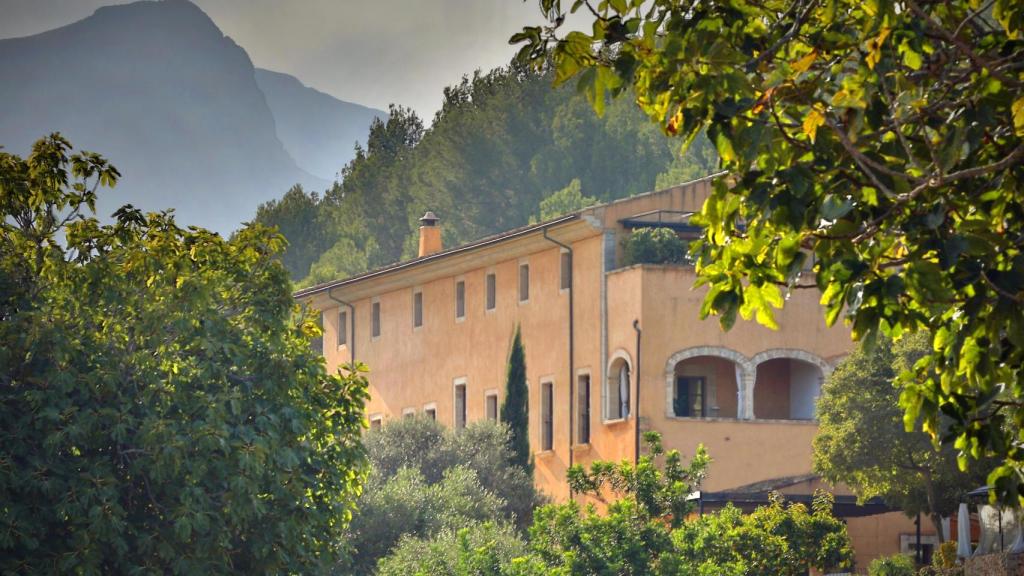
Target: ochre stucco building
[{"x": 606, "y": 343}]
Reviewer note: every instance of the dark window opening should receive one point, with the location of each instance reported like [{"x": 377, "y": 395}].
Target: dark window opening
[
  {"x": 491, "y": 291},
  {"x": 460, "y": 406},
  {"x": 691, "y": 397},
  {"x": 460, "y": 299},
  {"x": 547, "y": 421},
  {"x": 583, "y": 393}
]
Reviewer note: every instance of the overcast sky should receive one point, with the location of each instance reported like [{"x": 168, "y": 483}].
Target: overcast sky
[{"x": 372, "y": 52}]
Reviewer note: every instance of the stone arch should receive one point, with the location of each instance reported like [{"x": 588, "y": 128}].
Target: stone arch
[
  {"x": 793, "y": 354},
  {"x": 610, "y": 394},
  {"x": 802, "y": 396},
  {"x": 744, "y": 384}
]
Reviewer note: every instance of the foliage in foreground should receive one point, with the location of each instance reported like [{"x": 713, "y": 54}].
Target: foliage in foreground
[
  {"x": 884, "y": 138},
  {"x": 426, "y": 479},
  {"x": 646, "y": 529},
  {"x": 160, "y": 408},
  {"x": 861, "y": 440},
  {"x": 897, "y": 565}
]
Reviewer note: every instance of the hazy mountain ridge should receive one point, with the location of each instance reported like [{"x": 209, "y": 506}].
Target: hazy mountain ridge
[
  {"x": 317, "y": 129},
  {"x": 158, "y": 89}
]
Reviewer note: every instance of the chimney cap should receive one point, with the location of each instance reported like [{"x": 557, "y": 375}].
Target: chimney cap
[{"x": 429, "y": 219}]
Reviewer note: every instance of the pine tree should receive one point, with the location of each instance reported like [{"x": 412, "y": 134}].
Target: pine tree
[{"x": 515, "y": 408}]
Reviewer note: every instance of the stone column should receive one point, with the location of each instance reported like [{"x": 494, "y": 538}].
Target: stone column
[{"x": 745, "y": 407}]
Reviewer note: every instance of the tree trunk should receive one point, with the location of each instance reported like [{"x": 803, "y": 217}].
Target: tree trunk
[{"x": 932, "y": 504}]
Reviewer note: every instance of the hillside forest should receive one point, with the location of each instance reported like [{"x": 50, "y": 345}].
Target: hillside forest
[{"x": 503, "y": 142}]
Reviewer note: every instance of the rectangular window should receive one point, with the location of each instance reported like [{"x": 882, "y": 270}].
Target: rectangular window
[
  {"x": 376, "y": 422},
  {"x": 342, "y": 327},
  {"x": 409, "y": 413},
  {"x": 430, "y": 411},
  {"x": 417, "y": 309},
  {"x": 524, "y": 282},
  {"x": 547, "y": 426},
  {"x": 375, "y": 320},
  {"x": 690, "y": 396},
  {"x": 618, "y": 392},
  {"x": 583, "y": 409},
  {"x": 492, "y": 291},
  {"x": 492, "y": 406},
  {"x": 460, "y": 406},
  {"x": 566, "y": 271},
  {"x": 460, "y": 299}
]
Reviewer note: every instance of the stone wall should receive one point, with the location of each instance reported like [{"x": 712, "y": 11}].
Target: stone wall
[{"x": 1003, "y": 564}]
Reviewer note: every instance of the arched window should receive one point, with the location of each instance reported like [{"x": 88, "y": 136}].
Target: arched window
[{"x": 617, "y": 390}]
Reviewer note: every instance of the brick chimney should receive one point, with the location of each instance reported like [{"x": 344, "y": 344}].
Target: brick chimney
[{"x": 430, "y": 235}]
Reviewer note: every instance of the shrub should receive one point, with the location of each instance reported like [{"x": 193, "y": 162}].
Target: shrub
[
  {"x": 407, "y": 504},
  {"x": 479, "y": 549},
  {"x": 945, "y": 555},
  {"x": 426, "y": 479},
  {"x": 655, "y": 246},
  {"x": 896, "y": 565},
  {"x": 424, "y": 445}
]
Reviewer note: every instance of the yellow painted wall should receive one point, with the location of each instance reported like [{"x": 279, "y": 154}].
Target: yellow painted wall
[{"x": 412, "y": 367}]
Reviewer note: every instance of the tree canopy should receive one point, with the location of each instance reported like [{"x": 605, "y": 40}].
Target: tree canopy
[
  {"x": 862, "y": 442},
  {"x": 160, "y": 408},
  {"x": 885, "y": 139},
  {"x": 503, "y": 142}
]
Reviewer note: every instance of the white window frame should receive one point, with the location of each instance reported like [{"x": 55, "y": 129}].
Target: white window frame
[
  {"x": 418, "y": 291},
  {"x": 540, "y": 421},
  {"x": 376, "y": 417},
  {"x": 461, "y": 381},
  {"x": 490, "y": 273},
  {"x": 430, "y": 406},
  {"x": 578, "y": 425},
  {"x": 492, "y": 393},
  {"x": 342, "y": 329},
  {"x": 455, "y": 293},
  {"x": 606, "y": 392},
  {"x": 379, "y": 324},
  {"x": 519, "y": 281}
]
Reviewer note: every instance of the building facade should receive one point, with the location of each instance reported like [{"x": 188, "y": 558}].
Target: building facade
[{"x": 612, "y": 350}]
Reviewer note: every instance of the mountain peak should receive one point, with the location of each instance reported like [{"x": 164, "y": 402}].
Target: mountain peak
[{"x": 159, "y": 90}]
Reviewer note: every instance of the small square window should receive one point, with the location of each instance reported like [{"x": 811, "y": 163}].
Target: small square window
[
  {"x": 376, "y": 422},
  {"x": 460, "y": 299},
  {"x": 492, "y": 291},
  {"x": 417, "y": 309},
  {"x": 375, "y": 320},
  {"x": 342, "y": 327},
  {"x": 409, "y": 413},
  {"x": 431, "y": 413},
  {"x": 524, "y": 282}
]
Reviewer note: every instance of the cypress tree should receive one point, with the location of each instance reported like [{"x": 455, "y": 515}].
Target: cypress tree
[{"x": 515, "y": 408}]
